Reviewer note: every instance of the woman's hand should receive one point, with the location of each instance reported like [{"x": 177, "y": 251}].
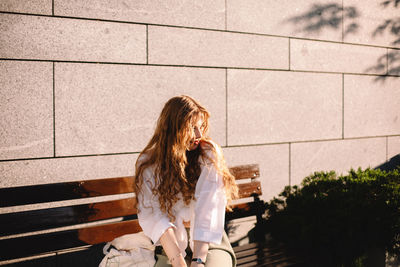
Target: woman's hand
[
  {"x": 200, "y": 250},
  {"x": 179, "y": 262},
  {"x": 171, "y": 248}
]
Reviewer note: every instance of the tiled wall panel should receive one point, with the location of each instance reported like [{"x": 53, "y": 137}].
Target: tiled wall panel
[
  {"x": 341, "y": 156},
  {"x": 300, "y": 18},
  {"x": 371, "y": 106},
  {"x": 114, "y": 108},
  {"x": 273, "y": 162},
  {"x": 26, "y": 121},
  {"x": 27, "y": 6},
  {"x": 45, "y": 38},
  {"x": 336, "y": 57},
  {"x": 275, "y": 106},
  {"x": 177, "y": 46},
  {"x": 191, "y": 13},
  {"x": 371, "y": 15}
]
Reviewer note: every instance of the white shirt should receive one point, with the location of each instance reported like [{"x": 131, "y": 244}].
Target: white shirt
[{"x": 206, "y": 213}]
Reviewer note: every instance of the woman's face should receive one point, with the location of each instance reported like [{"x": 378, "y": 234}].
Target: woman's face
[{"x": 196, "y": 131}]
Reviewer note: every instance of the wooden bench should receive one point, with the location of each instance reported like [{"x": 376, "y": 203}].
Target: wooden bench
[{"x": 51, "y": 234}]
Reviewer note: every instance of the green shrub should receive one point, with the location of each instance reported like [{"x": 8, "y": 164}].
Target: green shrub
[{"x": 338, "y": 219}]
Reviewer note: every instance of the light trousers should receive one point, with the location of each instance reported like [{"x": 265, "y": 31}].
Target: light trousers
[{"x": 221, "y": 255}]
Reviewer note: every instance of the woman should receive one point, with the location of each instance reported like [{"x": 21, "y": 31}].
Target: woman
[{"x": 182, "y": 182}]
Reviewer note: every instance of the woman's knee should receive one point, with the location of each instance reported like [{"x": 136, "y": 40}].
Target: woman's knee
[{"x": 218, "y": 258}]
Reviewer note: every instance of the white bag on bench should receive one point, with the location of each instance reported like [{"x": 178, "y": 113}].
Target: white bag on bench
[{"x": 128, "y": 251}]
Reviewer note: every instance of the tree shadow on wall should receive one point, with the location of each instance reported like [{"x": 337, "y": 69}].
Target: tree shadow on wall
[
  {"x": 325, "y": 16},
  {"x": 392, "y": 164},
  {"x": 321, "y": 17}
]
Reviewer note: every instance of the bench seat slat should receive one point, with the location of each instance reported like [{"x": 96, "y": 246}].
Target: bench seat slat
[
  {"x": 271, "y": 251},
  {"x": 44, "y": 243},
  {"x": 269, "y": 255},
  {"x": 64, "y": 191},
  {"x": 36, "y": 220}
]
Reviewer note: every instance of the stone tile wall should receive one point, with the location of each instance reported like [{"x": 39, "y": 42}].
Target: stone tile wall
[{"x": 296, "y": 86}]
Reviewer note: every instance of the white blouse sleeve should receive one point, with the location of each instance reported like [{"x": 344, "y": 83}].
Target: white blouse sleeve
[
  {"x": 209, "y": 211},
  {"x": 152, "y": 220}
]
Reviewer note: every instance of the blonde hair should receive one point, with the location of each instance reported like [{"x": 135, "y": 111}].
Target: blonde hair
[{"x": 176, "y": 170}]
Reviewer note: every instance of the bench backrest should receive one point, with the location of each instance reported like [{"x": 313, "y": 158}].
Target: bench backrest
[{"x": 44, "y": 230}]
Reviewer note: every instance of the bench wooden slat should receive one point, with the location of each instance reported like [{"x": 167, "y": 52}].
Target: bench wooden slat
[
  {"x": 36, "y": 220},
  {"x": 64, "y": 191},
  {"x": 264, "y": 260},
  {"x": 264, "y": 255},
  {"x": 105, "y": 233},
  {"x": 245, "y": 171},
  {"x": 272, "y": 252},
  {"x": 245, "y": 247},
  {"x": 250, "y": 189},
  {"x": 46, "y": 243}
]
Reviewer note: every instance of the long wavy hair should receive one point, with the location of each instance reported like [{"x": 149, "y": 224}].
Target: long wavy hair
[{"x": 176, "y": 169}]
